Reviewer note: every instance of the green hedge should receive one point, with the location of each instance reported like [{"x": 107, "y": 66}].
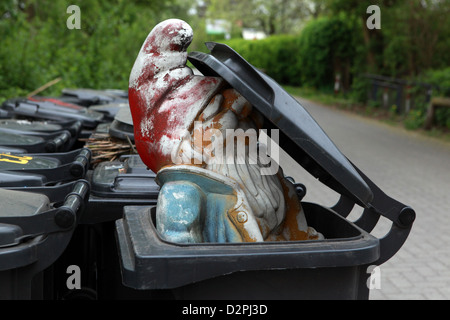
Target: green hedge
[
  {"x": 327, "y": 47},
  {"x": 324, "y": 47},
  {"x": 100, "y": 55},
  {"x": 276, "y": 56},
  {"x": 440, "y": 79}
]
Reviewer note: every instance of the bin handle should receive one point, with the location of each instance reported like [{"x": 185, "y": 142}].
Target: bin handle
[
  {"x": 75, "y": 128},
  {"x": 61, "y": 219},
  {"x": 344, "y": 206},
  {"x": 402, "y": 218},
  {"x": 66, "y": 215},
  {"x": 56, "y": 143},
  {"x": 80, "y": 164}
]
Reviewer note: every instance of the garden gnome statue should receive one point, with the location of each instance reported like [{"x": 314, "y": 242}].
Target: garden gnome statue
[{"x": 211, "y": 191}]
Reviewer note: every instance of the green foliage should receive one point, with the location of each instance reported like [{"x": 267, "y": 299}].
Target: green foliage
[
  {"x": 442, "y": 117},
  {"x": 413, "y": 43},
  {"x": 414, "y": 35},
  {"x": 360, "y": 89},
  {"x": 440, "y": 79},
  {"x": 415, "y": 119},
  {"x": 393, "y": 110},
  {"x": 274, "y": 17},
  {"x": 37, "y": 46},
  {"x": 312, "y": 58},
  {"x": 276, "y": 55},
  {"x": 326, "y": 48}
]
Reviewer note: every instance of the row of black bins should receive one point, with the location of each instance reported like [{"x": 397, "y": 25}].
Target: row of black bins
[
  {"x": 43, "y": 189},
  {"x": 58, "y": 210},
  {"x": 71, "y": 231}
]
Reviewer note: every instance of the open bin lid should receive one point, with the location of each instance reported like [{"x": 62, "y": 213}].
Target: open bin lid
[{"x": 299, "y": 135}]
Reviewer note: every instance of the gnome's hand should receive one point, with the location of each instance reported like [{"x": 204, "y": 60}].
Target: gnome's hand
[{"x": 165, "y": 96}]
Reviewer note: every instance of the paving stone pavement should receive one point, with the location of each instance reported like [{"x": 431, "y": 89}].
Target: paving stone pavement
[{"x": 410, "y": 168}]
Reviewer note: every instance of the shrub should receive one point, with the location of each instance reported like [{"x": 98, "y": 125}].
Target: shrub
[
  {"x": 415, "y": 119},
  {"x": 275, "y": 55},
  {"x": 39, "y": 48},
  {"x": 440, "y": 79},
  {"x": 326, "y": 47}
]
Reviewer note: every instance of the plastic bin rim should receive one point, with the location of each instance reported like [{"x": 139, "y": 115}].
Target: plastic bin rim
[
  {"x": 320, "y": 245},
  {"x": 148, "y": 263},
  {"x": 20, "y": 254}
]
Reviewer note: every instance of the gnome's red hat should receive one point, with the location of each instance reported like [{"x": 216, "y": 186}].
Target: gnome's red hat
[{"x": 165, "y": 96}]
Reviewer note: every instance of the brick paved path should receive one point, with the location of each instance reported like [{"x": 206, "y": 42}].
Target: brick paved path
[{"x": 410, "y": 168}]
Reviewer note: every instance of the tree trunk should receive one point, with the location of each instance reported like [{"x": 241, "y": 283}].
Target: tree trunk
[{"x": 370, "y": 55}]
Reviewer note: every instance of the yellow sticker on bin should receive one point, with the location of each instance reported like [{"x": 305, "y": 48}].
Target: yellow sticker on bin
[{"x": 14, "y": 159}]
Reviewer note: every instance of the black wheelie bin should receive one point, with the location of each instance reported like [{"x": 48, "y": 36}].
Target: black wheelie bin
[
  {"x": 35, "y": 229},
  {"x": 122, "y": 125},
  {"x": 68, "y": 132},
  {"x": 41, "y": 108},
  {"x": 108, "y": 101},
  {"x": 42, "y": 196},
  {"x": 109, "y": 110},
  {"x": 35, "y": 142},
  {"x": 43, "y": 169},
  {"x": 114, "y": 185},
  {"x": 333, "y": 268},
  {"x": 90, "y": 97}
]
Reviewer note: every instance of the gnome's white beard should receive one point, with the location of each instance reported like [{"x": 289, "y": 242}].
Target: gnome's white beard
[{"x": 263, "y": 192}]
